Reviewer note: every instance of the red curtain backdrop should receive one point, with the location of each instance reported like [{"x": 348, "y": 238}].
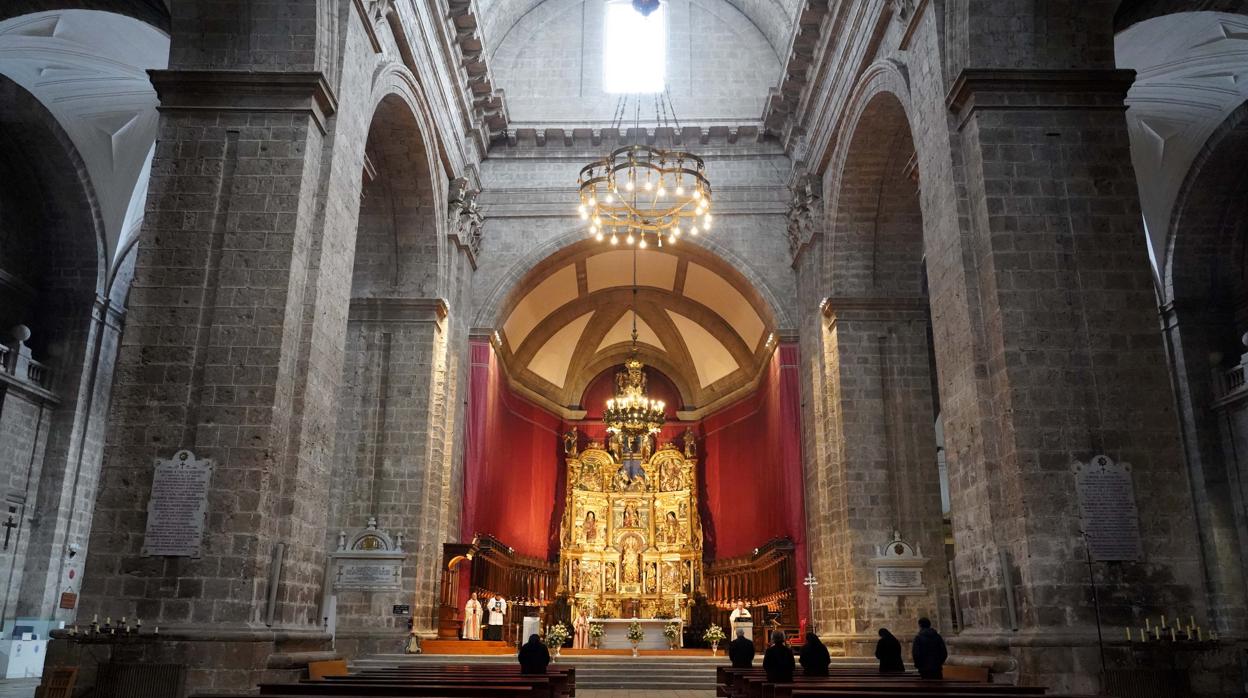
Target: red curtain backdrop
[
  {"x": 752, "y": 454},
  {"x": 750, "y": 461},
  {"x": 511, "y": 461}
]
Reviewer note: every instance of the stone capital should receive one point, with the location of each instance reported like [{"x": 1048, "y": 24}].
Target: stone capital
[
  {"x": 882, "y": 309},
  {"x": 400, "y": 310},
  {"x": 248, "y": 91},
  {"x": 977, "y": 89}
]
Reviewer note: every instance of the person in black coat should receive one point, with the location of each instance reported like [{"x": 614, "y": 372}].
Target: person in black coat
[
  {"x": 814, "y": 657},
  {"x": 929, "y": 651},
  {"x": 888, "y": 651},
  {"x": 778, "y": 660},
  {"x": 534, "y": 656},
  {"x": 741, "y": 651}
]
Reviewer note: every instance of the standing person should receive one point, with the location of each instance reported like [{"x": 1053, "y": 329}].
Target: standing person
[
  {"x": 778, "y": 660},
  {"x": 580, "y": 630},
  {"x": 814, "y": 657},
  {"x": 497, "y": 608},
  {"x": 472, "y": 618},
  {"x": 888, "y": 651},
  {"x": 741, "y": 651},
  {"x": 533, "y": 656},
  {"x": 929, "y": 651}
]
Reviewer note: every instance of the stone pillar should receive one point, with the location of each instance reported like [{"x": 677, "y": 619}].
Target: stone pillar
[
  {"x": 1075, "y": 368},
  {"x": 215, "y": 359},
  {"x": 886, "y": 482}
]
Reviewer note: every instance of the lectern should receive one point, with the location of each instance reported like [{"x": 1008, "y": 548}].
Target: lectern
[{"x": 745, "y": 623}]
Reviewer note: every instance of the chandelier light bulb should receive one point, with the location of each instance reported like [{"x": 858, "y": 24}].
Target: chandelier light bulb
[
  {"x": 661, "y": 192},
  {"x": 697, "y": 194},
  {"x": 581, "y": 209},
  {"x": 671, "y": 239},
  {"x": 598, "y": 237},
  {"x": 693, "y": 230},
  {"x": 642, "y": 244},
  {"x": 629, "y": 240},
  {"x": 680, "y": 190},
  {"x": 629, "y": 186},
  {"x": 593, "y": 201},
  {"x": 615, "y": 240}
]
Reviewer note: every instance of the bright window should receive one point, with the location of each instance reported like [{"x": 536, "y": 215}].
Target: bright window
[{"x": 634, "y": 49}]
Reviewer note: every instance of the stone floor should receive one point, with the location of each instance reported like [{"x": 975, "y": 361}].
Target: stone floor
[{"x": 18, "y": 688}]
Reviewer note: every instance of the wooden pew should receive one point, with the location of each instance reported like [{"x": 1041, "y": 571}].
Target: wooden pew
[{"x": 486, "y": 689}]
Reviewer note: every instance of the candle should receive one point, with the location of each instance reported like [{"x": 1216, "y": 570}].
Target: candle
[
  {"x": 1148, "y": 625},
  {"x": 1172, "y": 634},
  {"x": 1191, "y": 621},
  {"x": 95, "y": 618},
  {"x": 1163, "y": 621},
  {"x": 157, "y": 631},
  {"x": 1128, "y": 634},
  {"x": 1157, "y": 632},
  {"x": 1143, "y": 635},
  {"x": 1200, "y": 636}
]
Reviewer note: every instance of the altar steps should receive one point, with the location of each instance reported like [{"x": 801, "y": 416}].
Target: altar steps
[{"x": 602, "y": 671}]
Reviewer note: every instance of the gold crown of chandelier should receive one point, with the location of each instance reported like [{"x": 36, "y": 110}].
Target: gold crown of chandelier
[
  {"x": 643, "y": 193},
  {"x": 631, "y": 412}
]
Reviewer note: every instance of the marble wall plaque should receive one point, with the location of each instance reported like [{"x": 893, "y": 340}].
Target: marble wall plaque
[
  {"x": 178, "y": 506},
  {"x": 1107, "y": 509},
  {"x": 369, "y": 575}
]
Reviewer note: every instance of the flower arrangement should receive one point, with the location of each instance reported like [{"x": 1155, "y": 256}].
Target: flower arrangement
[
  {"x": 672, "y": 632},
  {"x": 635, "y": 633},
  {"x": 714, "y": 635},
  {"x": 597, "y": 630},
  {"x": 556, "y": 635}
]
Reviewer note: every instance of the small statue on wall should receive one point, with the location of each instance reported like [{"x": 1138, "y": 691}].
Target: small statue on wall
[
  {"x": 691, "y": 443},
  {"x": 570, "y": 439}
]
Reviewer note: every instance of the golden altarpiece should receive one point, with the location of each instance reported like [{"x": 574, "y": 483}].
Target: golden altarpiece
[{"x": 631, "y": 542}]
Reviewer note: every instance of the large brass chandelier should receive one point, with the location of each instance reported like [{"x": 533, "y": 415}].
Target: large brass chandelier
[
  {"x": 643, "y": 194},
  {"x": 631, "y": 413}
]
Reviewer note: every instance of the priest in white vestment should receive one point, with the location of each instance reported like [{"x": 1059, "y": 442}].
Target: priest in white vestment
[
  {"x": 496, "y": 609},
  {"x": 739, "y": 612},
  {"x": 472, "y": 618}
]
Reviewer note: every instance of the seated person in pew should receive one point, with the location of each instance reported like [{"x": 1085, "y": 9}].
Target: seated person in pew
[
  {"x": 741, "y": 651},
  {"x": 534, "y": 656},
  {"x": 888, "y": 651},
  {"x": 814, "y": 657},
  {"x": 929, "y": 652},
  {"x": 778, "y": 660}
]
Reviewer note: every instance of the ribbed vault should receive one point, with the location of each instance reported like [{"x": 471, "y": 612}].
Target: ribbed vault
[{"x": 699, "y": 321}]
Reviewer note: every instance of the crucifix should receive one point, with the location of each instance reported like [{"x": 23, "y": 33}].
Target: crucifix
[
  {"x": 810, "y": 583},
  {"x": 9, "y": 524}
]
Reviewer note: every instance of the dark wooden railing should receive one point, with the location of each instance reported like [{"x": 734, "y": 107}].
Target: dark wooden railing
[{"x": 493, "y": 568}]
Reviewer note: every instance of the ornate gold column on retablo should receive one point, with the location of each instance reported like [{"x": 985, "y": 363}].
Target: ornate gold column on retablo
[{"x": 631, "y": 536}]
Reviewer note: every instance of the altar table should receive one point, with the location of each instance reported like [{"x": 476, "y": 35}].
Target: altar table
[{"x": 615, "y": 633}]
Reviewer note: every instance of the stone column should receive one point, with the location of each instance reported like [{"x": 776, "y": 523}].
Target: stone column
[
  {"x": 1075, "y": 368},
  {"x": 880, "y": 411},
  {"x": 215, "y": 360}
]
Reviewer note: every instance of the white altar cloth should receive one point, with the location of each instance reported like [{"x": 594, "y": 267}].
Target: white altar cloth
[{"x": 615, "y": 633}]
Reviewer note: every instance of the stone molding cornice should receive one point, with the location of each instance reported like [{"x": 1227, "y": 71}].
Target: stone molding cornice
[
  {"x": 489, "y": 105},
  {"x": 12, "y": 284},
  {"x": 398, "y": 310},
  {"x": 872, "y": 307},
  {"x": 549, "y": 202},
  {"x": 978, "y": 89},
  {"x": 246, "y": 91},
  {"x": 556, "y": 136}
]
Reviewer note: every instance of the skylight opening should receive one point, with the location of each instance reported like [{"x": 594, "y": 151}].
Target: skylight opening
[{"x": 634, "y": 49}]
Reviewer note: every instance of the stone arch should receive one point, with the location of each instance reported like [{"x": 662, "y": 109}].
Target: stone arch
[
  {"x": 153, "y": 12},
  {"x": 1210, "y": 218},
  {"x": 875, "y": 386},
  {"x": 48, "y": 193},
  {"x": 874, "y": 224},
  {"x": 399, "y": 251},
  {"x": 1135, "y": 11},
  {"x": 493, "y": 310}
]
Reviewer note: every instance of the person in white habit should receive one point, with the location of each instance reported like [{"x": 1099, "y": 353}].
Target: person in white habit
[
  {"x": 496, "y": 608},
  {"x": 472, "y": 618},
  {"x": 739, "y": 612}
]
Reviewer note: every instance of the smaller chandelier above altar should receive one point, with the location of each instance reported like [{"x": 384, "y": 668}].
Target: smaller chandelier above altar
[{"x": 631, "y": 412}]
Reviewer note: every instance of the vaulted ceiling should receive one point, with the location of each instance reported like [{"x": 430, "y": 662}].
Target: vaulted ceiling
[{"x": 699, "y": 321}]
